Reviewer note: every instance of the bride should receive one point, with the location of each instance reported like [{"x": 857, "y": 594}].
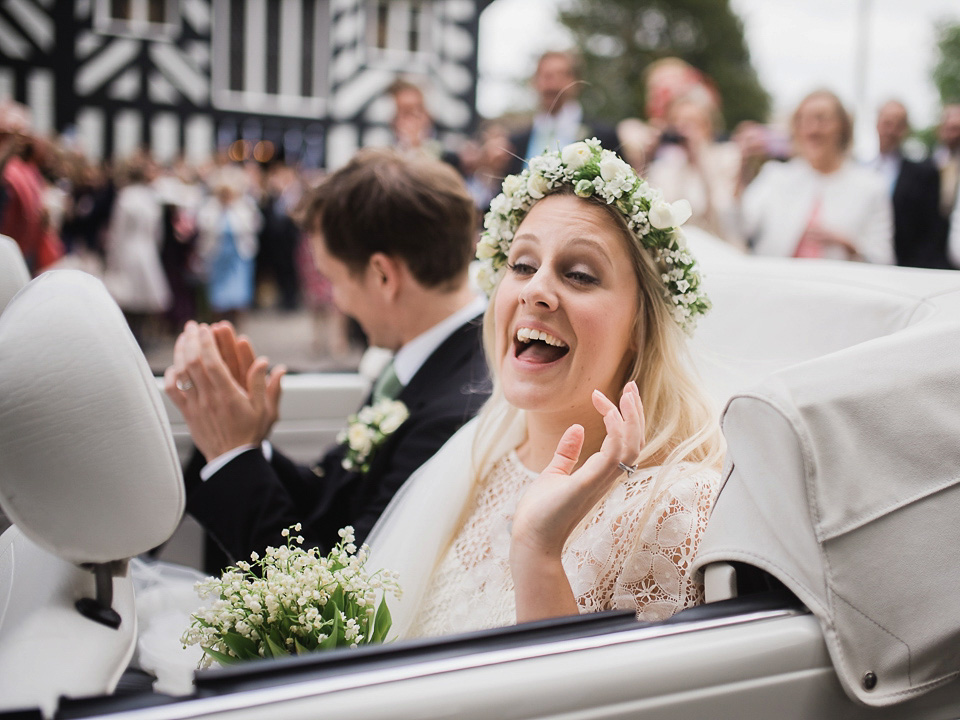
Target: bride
[{"x": 586, "y": 481}]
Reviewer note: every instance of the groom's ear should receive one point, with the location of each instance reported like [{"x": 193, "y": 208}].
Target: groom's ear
[{"x": 387, "y": 274}]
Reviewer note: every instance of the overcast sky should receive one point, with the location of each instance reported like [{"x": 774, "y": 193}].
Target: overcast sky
[{"x": 796, "y": 46}]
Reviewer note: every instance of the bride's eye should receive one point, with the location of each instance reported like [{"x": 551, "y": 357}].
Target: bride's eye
[
  {"x": 521, "y": 268},
  {"x": 582, "y": 278}
]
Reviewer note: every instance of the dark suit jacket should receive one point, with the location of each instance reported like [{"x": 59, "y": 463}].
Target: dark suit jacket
[
  {"x": 246, "y": 504},
  {"x": 604, "y": 133},
  {"x": 918, "y": 234}
]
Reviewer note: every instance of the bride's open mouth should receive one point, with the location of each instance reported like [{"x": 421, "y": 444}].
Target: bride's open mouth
[{"x": 537, "y": 346}]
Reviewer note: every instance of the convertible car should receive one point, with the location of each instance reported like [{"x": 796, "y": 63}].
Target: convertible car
[{"x": 828, "y": 559}]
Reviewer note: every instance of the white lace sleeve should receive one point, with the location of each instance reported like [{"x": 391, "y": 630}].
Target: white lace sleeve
[{"x": 614, "y": 564}]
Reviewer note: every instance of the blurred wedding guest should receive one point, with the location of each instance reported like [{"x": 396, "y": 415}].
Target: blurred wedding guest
[
  {"x": 52, "y": 163},
  {"x": 331, "y": 328},
  {"x": 691, "y": 164},
  {"x": 279, "y": 235},
  {"x": 133, "y": 273},
  {"x": 638, "y": 143},
  {"x": 915, "y": 189},
  {"x": 227, "y": 226},
  {"x": 88, "y": 210},
  {"x": 670, "y": 79},
  {"x": 560, "y": 118},
  {"x": 490, "y": 162},
  {"x": 946, "y": 155},
  {"x": 953, "y": 240},
  {"x": 413, "y": 127},
  {"x": 24, "y": 217},
  {"x": 819, "y": 204},
  {"x": 758, "y": 144},
  {"x": 181, "y": 195}
]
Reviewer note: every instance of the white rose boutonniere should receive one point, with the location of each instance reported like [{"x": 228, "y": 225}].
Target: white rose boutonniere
[{"x": 367, "y": 431}]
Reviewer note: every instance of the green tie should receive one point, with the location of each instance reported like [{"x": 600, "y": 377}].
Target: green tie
[{"x": 387, "y": 386}]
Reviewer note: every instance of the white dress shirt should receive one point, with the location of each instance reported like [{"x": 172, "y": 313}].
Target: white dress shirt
[
  {"x": 552, "y": 132},
  {"x": 888, "y": 168}
]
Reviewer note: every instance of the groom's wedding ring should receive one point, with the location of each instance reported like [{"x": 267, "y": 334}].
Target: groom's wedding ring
[
  {"x": 628, "y": 469},
  {"x": 184, "y": 385}
]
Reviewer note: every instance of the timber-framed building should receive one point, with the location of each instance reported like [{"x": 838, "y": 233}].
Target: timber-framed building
[{"x": 191, "y": 76}]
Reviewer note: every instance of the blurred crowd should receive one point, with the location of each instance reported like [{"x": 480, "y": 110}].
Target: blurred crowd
[{"x": 174, "y": 242}]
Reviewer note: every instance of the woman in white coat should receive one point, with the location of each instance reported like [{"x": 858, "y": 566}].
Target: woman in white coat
[
  {"x": 133, "y": 272},
  {"x": 819, "y": 204}
]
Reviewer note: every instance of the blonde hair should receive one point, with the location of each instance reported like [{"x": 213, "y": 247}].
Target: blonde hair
[{"x": 681, "y": 419}]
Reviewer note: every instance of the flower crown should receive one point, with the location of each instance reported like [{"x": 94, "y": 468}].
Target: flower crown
[{"x": 593, "y": 171}]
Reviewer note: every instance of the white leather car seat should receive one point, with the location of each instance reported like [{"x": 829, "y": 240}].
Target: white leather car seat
[
  {"x": 90, "y": 478},
  {"x": 13, "y": 276},
  {"x": 13, "y": 270}
]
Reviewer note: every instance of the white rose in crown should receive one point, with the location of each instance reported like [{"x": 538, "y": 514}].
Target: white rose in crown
[
  {"x": 500, "y": 205},
  {"x": 368, "y": 430},
  {"x": 487, "y": 248},
  {"x": 613, "y": 169},
  {"x": 487, "y": 277},
  {"x": 665, "y": 215},
  {"x": 537, "y": 186},
  {"x": 576, "y": 155},
  {"x": 512, "y": 184}
]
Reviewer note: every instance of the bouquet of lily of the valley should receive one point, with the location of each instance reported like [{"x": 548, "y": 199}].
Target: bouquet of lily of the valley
[{"x": 293, "y": 601}]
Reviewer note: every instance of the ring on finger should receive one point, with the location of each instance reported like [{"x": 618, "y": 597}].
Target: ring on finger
[
  {"x": 628, "y": 469},
  {"x": 184, "y": 385}
]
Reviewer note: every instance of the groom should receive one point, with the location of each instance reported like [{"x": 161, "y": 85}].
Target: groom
[{"x": 394, "y": 235}]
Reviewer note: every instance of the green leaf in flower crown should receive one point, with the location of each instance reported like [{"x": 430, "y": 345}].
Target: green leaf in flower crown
[
  {"x": 383, "y": 622},
  {"x": 244, "y": 648},
  {"x": 220, "y": 657},
  {"x": 301, "y": 650}
]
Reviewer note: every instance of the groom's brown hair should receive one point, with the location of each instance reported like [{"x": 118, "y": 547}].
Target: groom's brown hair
[{"x": 410, "y": 207}]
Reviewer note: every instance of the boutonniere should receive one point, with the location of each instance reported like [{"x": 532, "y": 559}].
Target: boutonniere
[{"x": 367, "y": 431}]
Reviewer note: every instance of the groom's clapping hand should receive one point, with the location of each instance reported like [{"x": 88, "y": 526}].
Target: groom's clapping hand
[{"x": 224, "y": 393}]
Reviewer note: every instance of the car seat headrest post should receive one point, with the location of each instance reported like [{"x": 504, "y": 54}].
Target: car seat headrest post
[{"x": 100, "y": 609}]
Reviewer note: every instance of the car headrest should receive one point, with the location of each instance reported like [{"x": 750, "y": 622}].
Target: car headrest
[
  {"x": 842, "y": 482},
  {"x": 13, "y": 270},
  {"x": 88, "y": 468}
]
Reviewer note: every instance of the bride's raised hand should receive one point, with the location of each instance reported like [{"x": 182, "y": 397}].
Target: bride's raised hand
[{"x": 563, "y": 494}]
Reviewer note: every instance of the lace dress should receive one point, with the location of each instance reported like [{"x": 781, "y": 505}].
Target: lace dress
[{"x": 608, "y": 566}]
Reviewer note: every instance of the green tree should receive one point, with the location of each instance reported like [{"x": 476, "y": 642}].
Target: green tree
[
  {"x": 618, "y": 39},
  {"x": 946, "y": 73}
]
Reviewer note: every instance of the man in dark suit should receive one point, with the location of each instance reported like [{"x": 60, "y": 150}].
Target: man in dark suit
[
  {"x": 394, "y": 235},
  {"x": 918, "y": 235},
  {"x": 559, "y": 120}
]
